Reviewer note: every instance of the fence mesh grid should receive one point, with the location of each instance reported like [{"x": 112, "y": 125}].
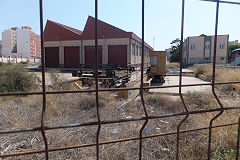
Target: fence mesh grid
[{"x": 186, "y": 113}]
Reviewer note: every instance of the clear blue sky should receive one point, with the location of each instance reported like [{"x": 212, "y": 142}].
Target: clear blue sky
[{"x": 162, "y": 18}]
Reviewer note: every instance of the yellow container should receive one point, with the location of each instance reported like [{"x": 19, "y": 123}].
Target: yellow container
[{"x": 158, "y": 63}]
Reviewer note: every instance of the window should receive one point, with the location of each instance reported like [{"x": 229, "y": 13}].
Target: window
[
  {"x": 192, "y": 60},
  {"x": 207, "y": 46},
  {"x": 133, "y": 49},
  {"x": 222, "y": 58},
  {"x": 221, "y": 46},
  {"x": 139, "y": 51},
  {"x": 136, "y": 50},
  {"x": 153, "y": 61},
  {"x": 192, "y": 47}
]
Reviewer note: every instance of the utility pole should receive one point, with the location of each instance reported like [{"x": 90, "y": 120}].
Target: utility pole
[{"x": 153, "y": 43}]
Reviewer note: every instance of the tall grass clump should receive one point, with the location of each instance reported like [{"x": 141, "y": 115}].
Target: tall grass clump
[
  {"x": 173, "y": 66},
  {"x": 204, "y": 70},
  {"x": 225, "y": 155},
  {"x": 198, "y": 98},
  {"x": 16, "y": 78},
  {"x": 222, "y": 74},
  {"x": 58, "y": 83},
  {"x": 154, "y": 98},
  {"x": 226, "y": 75}
]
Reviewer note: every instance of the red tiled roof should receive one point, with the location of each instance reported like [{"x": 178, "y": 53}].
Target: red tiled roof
[
  {"x": 69, "y": 28},
  {"x": 55, "y": 31},
  {"x": 104, "y": 30}
]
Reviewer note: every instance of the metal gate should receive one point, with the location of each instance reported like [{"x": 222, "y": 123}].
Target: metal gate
[{"x": 42, "y": 128}]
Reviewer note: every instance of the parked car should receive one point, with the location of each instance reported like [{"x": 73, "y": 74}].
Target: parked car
[{"x": 236, "y": 61}]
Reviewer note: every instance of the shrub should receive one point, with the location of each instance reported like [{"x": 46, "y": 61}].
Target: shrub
[
  {"x": 226, "y": 87},
  {"x": 197, "y": 98},
  {"x": 58, "y": 83},
  {"x": 16, "y": 78},
  {"x": 173, "y": 66},
  {"x": 226, "y": 155},
  {"x": 154, "y": 98},
  {"x": 199, "y": 70}
]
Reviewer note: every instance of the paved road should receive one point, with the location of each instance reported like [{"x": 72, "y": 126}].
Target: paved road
[{"x": 174, "y": 80}]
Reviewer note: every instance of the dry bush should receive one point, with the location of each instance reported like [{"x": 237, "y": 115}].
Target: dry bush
[
  {"x": 173, "y": 66},
  {"x": 199, "y": 100},
  {"x": 223, "y": 139},
  {"x": 227, "y": 75},
  {"x": 58, "y": 83},
  {"x": 204, "y": 70},
  {"x": 16, "y": 78},
  {"x": 164, "y": 103},
  {"x": 222, "y": 74}
]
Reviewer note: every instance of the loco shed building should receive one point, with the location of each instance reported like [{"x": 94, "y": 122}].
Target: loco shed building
[{"x": 69, "y": 47}]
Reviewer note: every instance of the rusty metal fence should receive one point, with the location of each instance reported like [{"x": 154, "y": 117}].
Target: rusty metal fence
[{"x": 186, "y": 113}]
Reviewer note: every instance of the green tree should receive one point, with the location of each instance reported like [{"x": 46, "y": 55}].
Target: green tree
[
  {"x": 232, "y": 47},
  {"x": 175, "y": 53}
]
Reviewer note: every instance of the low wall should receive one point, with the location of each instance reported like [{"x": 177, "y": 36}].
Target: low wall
[{"x": 18, "y": 60}]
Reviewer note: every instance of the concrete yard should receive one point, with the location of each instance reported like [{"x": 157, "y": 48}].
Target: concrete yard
[
  {"x": 174, "y": 80},
  {"x": 169, "y": 80}
]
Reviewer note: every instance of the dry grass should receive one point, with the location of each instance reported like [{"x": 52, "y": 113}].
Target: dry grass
[
  {"x": 222, "y": 74},
  {"x": 173, "y": 66},
  {"x": 79, "y": 108}
]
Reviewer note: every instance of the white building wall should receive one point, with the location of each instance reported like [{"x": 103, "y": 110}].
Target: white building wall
[
  {"x": 23, "y": 43},
  {"x": 168, "y": 53},
  {"x": 8, "y": 42},
  {"x": 136, "y": 52},
  {"x": 0, "y": 48}
]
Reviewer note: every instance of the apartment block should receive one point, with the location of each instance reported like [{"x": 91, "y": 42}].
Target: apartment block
[
  {"x": 168, "y": 53},
  {"x": 200, "y": 49},
  {"x": 20, "y": 42},
  {"x": 9, "y": 42},
  {"x": 0, "y": 48}
]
